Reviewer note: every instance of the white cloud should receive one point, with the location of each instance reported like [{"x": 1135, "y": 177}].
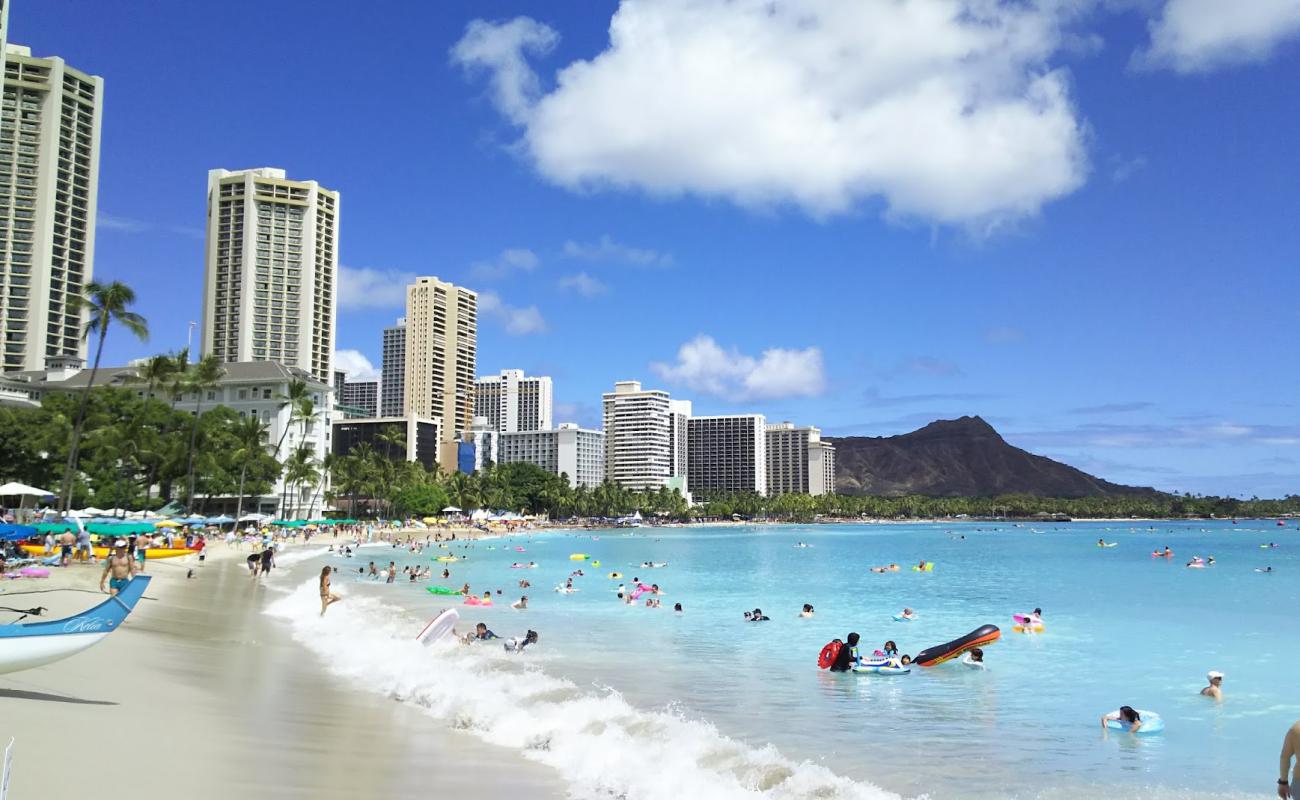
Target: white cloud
[
  {"x": 362, "y": 287},
  {"x": 583, "y": 284},
  {"x": 609, "y": 250},
  {"x": 511, "y": 260},
  {"x": 944, "y": 110},
  {"x": 703, "y": 366},
  {"x": 500, "y": 48},
  {"x": 356, "y": 365},
  {"x": 1200, "y": 35},
  {"x": 517, "y": 321}
]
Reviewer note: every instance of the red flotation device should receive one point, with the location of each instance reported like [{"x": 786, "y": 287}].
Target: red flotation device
[{"x": 829, "y": 653}]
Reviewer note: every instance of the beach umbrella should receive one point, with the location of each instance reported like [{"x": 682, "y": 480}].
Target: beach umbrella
[
  {"x": 430, "y": 520},
  {"x": 451, "y": 510},
  {"x": 166, "y": 523},
  {"x": 14, "y": 488},
  {"x": 221, "y": 520},
  {"x": 14, "y": 533}
]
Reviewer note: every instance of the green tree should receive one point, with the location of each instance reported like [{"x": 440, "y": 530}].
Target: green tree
[
  {"x": 201, "y": 378},
  {"x": 105, "y": 302}
]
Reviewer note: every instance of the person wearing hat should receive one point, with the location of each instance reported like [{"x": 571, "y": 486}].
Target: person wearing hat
[
  {"x": 1216, "y": 681},
  {"x": 119, "y": 568}
]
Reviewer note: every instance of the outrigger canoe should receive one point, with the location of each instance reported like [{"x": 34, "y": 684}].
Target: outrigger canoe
[
  {"x": 105, "y": 552},
  {"x": 34, "y": 644}
]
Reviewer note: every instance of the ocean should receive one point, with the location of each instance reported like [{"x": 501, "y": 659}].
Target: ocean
[{"x": 646, "y": 703}]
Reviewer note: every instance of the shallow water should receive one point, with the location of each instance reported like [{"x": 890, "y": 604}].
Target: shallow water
[{"x": 647, "y": 703}]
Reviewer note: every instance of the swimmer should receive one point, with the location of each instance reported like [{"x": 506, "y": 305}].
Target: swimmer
[
  {"x": 749, "y": 616},
  {"x": 974, "y": 659},
  {"x": 327, "y": 598},
  {"x": 480, "y": 634},
  {"x": 890, "y": 649},
  {"x": 1125, "y": 716},
  {"x": 518, "y": 645},
  {"x": 908, "y": 614},
  {"x": 1168, "y": 553},
  {"x": 521, "y": 603},
  {"x": 464, "y": 589},
  {"x": 1037, "y": 616},
  {"x": 524, "y": 584},
  {"x": 921, "y": 565},
  {"x": 1215, "y": 689},
  {"x": 758, "y": 616},
  {"x": 807, "y": 611},
  {"x": 878, "y": 569},
  {"x": 1264, "y": 569},
  {"x": 446, "y": 573},
  {"x": 677, "y": 607}
]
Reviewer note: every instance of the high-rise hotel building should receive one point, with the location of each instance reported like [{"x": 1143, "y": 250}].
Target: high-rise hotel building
[
  {"x": 441, "y": 352},
  {"x": 638, "y": 437},
  {"x": 798, "y": 461},
  {"x": 392, "y": 375},
  {"x": 49, "y": 182},
  {"x": 513, "y": 402},
  {"x": 269, "y": 291},
  {"x": 727, "y": 454}
]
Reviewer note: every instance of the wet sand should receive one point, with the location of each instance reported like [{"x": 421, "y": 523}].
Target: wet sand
[{"x": 200, "y": 695}]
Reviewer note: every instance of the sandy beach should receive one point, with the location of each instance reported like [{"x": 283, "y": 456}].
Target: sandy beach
[{"x": 200, "y": 695}]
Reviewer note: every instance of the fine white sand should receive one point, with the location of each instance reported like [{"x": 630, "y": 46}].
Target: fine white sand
[{"x": 200, "y": 695}]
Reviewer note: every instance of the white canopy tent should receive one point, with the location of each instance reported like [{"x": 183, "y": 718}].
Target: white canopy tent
[{"x": 13, "y": 489}]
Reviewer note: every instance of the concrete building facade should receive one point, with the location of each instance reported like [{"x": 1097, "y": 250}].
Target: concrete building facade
[
  {"x": 50, "y": 117},
  {"x": 392, "y": 376},
  {"x": 638, "y": 436},
  {"x": 363, "y": 395},
  {"x": 798, "y": 460},
  {"x": 513, "y": 402},
  {"x": 441, "y": 354},
  {"x": 271, "y": 276},
  {"x": 568, "y": 450},
  {"x": 727, "y": 454}
]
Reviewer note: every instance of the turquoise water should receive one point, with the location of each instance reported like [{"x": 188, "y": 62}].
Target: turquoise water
[{"x": 737, "y": 708}]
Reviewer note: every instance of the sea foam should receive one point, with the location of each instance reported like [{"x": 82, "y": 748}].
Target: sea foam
[{"x": 598, "y": 742}]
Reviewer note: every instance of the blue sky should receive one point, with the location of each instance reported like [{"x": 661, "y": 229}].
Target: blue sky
[{"x": 1075, "y": 218}]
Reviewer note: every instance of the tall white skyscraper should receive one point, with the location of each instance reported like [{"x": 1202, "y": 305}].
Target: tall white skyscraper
[
  {"x": 638, "y": 441},
  {"x": 49, "y": 185},
  {"x": 679, "y": 416},
  {"x": 514, "y": 402},
  {"x": 269, "y": 291},
  {"x": 392, "y": 378},
  {"x": 441, "y": 353}
]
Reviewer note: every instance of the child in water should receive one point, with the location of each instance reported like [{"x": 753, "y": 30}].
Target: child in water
[{"x": 974, "y": 659}]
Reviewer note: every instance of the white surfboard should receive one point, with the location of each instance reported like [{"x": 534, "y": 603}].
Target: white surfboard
[{"x": 438, "y": 627}]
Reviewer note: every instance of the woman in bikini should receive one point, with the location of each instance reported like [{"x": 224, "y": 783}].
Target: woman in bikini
[{"x": 327, "y": 597}]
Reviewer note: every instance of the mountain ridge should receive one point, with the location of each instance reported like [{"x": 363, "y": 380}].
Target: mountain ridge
[{"x": 963, "y": 457}]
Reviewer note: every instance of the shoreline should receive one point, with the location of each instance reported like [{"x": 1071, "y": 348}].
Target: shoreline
[{"x": 224, "y": 702}]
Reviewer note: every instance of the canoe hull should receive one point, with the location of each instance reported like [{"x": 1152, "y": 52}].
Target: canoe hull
[
  {"x": 35, "y": 644},
  {"x": 103, "y": 552}
]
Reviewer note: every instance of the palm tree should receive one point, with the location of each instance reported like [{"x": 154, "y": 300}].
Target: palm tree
[
  {"x": 303, "y": 412},
  {"x": 298, "y": 392},
  {"x": 300, "y": 467},
  {"x": 204, "y": 376},
  {"x": 105, "y": 303},
  {"x": 251, "y": 434}
]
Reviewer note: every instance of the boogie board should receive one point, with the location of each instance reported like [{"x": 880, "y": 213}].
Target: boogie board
[{"x": 438, "y": 627}]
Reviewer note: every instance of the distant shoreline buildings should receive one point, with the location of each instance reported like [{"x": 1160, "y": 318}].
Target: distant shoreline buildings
[{"x": 269, "y": 315}]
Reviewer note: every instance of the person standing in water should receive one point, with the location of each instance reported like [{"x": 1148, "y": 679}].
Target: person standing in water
[
  {"x": 848, "y": 657},
  {"x": 327, "y": 598},
  {"x": 1215, "y": 689},
  {"x": 1290, "y": 750}
]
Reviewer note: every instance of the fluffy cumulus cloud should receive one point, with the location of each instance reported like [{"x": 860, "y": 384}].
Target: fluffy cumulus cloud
[
  {"x": 518, "y": 321},
  {"x": 583, "y": 284},
  {"x": 365, "y": 288},
  {"x": 704, "y": 366},
  {"x": 946, "y": 110},
  {"x": 508, "y": 262},
  {"x": 1200, "y": 35},
  {"x": 355, "y": 364}
]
